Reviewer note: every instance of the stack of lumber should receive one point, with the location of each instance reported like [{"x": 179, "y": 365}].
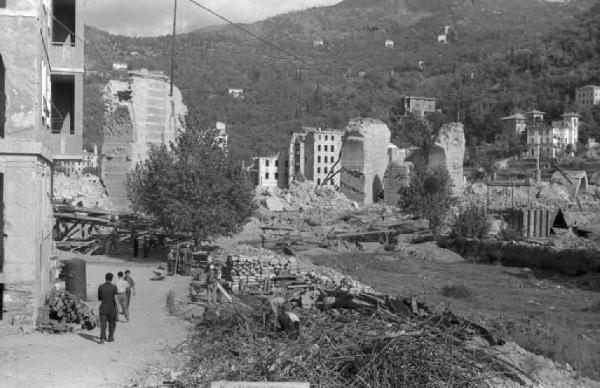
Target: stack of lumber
[{"x": 252, "y": 270}]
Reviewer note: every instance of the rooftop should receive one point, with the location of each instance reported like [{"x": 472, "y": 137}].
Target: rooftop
[{"x": 516, "y": 116}]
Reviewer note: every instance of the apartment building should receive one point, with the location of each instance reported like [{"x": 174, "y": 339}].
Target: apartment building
[
  {"x": 322, "y": 151},
  {"x": 41, "y": 67}
]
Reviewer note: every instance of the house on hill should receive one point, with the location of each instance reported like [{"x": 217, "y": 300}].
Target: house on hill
[
  {"x": 389, "y": 43},
  {"x": 588, "y": 95}
]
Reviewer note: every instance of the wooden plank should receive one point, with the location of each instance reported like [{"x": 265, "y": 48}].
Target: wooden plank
[
  {"x": 225, "y": 294},
  {"x": 263, "y": 384}
]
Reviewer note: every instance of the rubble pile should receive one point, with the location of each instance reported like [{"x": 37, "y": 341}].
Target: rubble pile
[
  {"x": 81, "y": 190},
  {"x": 304, "y": 196}
]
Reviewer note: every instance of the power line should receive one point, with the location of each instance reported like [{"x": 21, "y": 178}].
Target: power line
[{"x": 260, "y": 38}]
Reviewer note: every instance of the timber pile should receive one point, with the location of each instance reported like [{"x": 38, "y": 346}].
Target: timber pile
[
  {"x": 68, "y": 308},
  {"x": 252, "y": 270},
  {"x": 382, "y": 344}
]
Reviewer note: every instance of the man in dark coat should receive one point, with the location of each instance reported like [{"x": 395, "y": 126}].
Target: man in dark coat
[{"x": 107, "y": 294}]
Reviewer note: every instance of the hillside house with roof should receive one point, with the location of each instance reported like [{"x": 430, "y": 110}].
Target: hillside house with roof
[{"x": 588, "y": 95}]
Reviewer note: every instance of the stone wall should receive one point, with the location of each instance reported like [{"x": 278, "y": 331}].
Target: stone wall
[
  {"x": 521, "y": 254},
  {"x": 364, "y": 160},
  {"x": 449, "y": 152}
]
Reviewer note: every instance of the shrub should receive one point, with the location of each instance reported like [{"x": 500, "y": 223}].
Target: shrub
[
  {"x": 472, "y": 222},
  {"x": 458, "y": 291}
]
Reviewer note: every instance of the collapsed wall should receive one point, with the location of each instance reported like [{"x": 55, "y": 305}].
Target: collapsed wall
[
  {"x": 449, "y": 151},
  {"x": 139, "y": 113},
  {"x": 364, "y": 160}
]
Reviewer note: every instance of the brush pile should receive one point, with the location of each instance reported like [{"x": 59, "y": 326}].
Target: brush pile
[
  {"x": 68, "y": 308},
  {"x": 386, "y": 345}
]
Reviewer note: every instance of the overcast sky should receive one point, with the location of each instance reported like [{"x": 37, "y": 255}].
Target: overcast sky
[{"x": 154, "y": 17}]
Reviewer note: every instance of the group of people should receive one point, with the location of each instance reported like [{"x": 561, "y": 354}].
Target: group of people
[
  {"x": 114, "y": 300},
  {"x": 179, "y": 260}
]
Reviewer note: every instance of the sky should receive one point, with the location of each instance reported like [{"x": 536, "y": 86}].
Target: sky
[{"x": 154, "y": 17}]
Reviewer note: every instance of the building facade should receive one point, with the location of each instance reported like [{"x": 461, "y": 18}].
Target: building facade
[
  {"x": 419, "y": 106},
  {"x": 587, "y": 95},
  {"x": 268, "y": 171},
  {"x": 322, "y": 151},
  {"x": 33, "y": 88},
  {"x": 555, "y": 139},
  {"x": 513, "y": 128}
]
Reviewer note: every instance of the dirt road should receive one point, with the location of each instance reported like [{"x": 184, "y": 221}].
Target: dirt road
[{"x": 76, "y": 359}]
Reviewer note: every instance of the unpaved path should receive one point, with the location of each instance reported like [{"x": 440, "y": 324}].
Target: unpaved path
[{"x": 78, "y": 360}]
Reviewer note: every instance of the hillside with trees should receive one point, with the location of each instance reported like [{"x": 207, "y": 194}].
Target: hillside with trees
[{"x": 501, "y": 55}]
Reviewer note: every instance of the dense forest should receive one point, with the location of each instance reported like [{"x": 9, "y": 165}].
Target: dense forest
[{"x": 501, "y": 56}]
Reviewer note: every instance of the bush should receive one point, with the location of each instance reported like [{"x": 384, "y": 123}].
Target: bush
[
  {"x": 472, "y": 222},
  {"x": 458, "y": 291}
]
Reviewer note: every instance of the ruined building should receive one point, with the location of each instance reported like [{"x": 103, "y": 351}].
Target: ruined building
[
  {"x": 449, "y": 151},
  {"x": 41, "y": 63},
  {"x": 364, "y": 160},
  {"x": 139, "y": 113},
  {"x": 322, "y": 151}
]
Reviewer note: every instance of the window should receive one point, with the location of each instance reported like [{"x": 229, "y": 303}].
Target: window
[
  {"x": 266, "y": 175},
  {"x": 318, "y": 170},
  {"x": 319, "y": 181},
  {"x": 63, "y": 25},
  {"x": 2, "y": 5},
  {"x": 287, "y": 163},
  {"x": 326, "y": 159},
  {"x": 319, "y": 147},
  {"x": 276, "y": 175},
  {"x": 326, "y": 137},
  {"x": 332, "y": 139},
  {"x": 318, "y": 159},
  {"x": 331, "y": 182},
  {"x": 332, "y": 148},
  {"x": 267, "y": 163},
  {"x": 325, "y": 170},
  {"x": 325, "y": 147},
  {"x": 277, "y": 163},
  {"x": 63, "y": 103}
]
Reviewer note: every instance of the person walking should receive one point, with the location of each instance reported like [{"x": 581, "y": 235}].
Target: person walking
[
  {"x": 107, "y": 294},
  {"x": 130, "y": 289},
  {"x": 122, "y": 286}
]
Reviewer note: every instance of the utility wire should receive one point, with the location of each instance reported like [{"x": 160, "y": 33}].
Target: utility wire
[
  {"x": 260, "y": 38},
  {"x": 79, "y": 38}
]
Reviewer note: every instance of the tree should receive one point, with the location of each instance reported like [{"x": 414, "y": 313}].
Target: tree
[
  {"x": 428, "y": 195},
  {"x": 192, "y": 186}
]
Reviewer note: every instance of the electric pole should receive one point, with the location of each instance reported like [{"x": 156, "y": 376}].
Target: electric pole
[{"x": 173, "y": 48}]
